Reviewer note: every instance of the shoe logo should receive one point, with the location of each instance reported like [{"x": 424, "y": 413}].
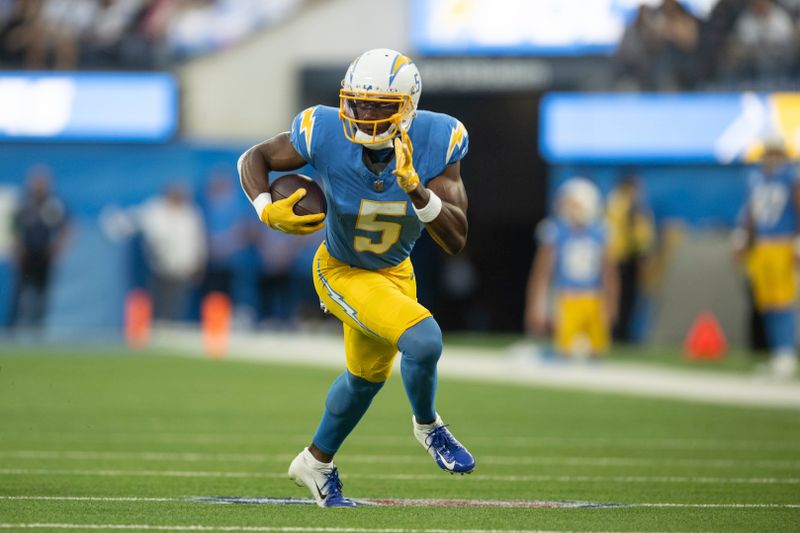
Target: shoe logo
[
  {"x": 321, "y": 496},
  {"x": 448, "y": 464}
]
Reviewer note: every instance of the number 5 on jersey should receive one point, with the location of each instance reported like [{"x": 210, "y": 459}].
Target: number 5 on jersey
[{"x": 368, "y": 221}]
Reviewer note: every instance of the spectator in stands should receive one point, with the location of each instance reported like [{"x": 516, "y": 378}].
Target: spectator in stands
[
  {"x": 16, "y": 20},
  {"x": 657, "y": 48},
  {"x": 57, "y": 32},
  {"x": 40, "y": 229},
  {"x": 109, "y": 31},
  {"x": 792, "y": 7},
  {"x": 678, "y": 32},
  {"x": 636, "y": 48},
  {"x": 631, "y": 236},
  {"x": 227, "y": 227},
  {"x": 714, "y": 36},
  {"x": 175, "y": 244},
  {"x": 66, "y": 34},
  {"x": 763, "y": 45}
]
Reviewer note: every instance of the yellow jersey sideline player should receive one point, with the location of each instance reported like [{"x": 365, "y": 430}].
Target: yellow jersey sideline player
[
  {"x": 573, "y": 257},
  {"x": 388, "y": 170}
]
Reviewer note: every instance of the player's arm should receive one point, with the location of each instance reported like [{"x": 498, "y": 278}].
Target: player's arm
[
  {"x": 610, "y": 287},
  {"x": 255, "y": 165},
  {"x": 742, "y": 235},
  {"x": 538, "y": 289},
  {"x": 796, "y": 200},
  {"x": 449, "y": 228},
  {"x": 442, "y": 205}
]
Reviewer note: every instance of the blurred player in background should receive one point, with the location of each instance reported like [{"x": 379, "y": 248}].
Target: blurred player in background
[
  {"x": 381, "y": 193},
  {"x": 768, "y": 244},
  {"x": 631, "y": 237},
  {"x": 574, "y": 259},
  {"x": 40, "y": 227}
]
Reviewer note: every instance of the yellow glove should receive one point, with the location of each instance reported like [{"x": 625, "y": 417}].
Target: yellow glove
[
  {"x": 407, "y": 177},
  {"x": 280, "y": 216}
]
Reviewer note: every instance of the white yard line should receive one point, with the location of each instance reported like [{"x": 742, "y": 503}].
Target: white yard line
[
  {"x": 677, "y": 505},
  {"x": 157, "y": 527},
  {"x": 403, "y": 439},
  {"x": 405, "y": 477},
  {"x": 395, "y": 459},
  {"x": 517, "y": 366}
]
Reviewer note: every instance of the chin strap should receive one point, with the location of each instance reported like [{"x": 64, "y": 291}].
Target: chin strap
[{"x": 383, "y": 145}]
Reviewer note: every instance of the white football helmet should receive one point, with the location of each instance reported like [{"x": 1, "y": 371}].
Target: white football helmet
[
  {"x": 379, "y": 95},
  {"x": 578, "y": 201}
]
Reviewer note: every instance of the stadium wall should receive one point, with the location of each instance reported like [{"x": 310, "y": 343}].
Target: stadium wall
[
  {"x": 251, "y": 91},
  {"x": 90, "y": 283},
  {"x": 92, "y": 278}
]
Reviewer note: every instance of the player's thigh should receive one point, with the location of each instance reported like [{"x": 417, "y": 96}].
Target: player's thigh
[
  {"x": 367, "y": 357},
  {"x": 773, "y": 275},
  {"x": 598, "y": 327},
  {"x": 568, "y": 320},
  {"x": 377, "y": 303}
]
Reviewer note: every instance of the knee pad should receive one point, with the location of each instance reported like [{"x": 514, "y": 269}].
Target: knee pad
[{"x": 422, "y": 342}]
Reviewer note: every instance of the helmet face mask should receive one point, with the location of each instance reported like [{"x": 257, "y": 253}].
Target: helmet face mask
[
  {"x": 379, "y": 97},
  {"x": 371, "y": 118}
]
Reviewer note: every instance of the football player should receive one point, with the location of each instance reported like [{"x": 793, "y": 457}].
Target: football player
[
  {"x": 768, "y": 244},
  {"x": 388, "y": 170},
  {"x": 573, "y": 258}
]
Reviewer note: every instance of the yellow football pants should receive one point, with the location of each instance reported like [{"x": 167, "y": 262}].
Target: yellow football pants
[
  {"x": 581, "y": 314},
  {"x": 771, "y": 266},
  {"x": 375, "y": 306}
]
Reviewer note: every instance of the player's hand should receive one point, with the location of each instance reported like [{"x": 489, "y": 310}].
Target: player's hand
[
  {"x": 536, "y": 322},
  {"x": 541, "y": 326},
  {"x": 280, "y": 216},
  {"x": 407, "y": 177},
  {"x": 611, "y": 312}
]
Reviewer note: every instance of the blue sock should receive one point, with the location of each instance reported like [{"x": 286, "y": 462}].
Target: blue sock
[
  {"x": 779, "y": 326},
  {"x": 347, "y": 401},
  {"x": 421, "y": 346}
]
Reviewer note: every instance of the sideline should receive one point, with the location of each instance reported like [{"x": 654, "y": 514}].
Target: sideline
[{"x": 515, "y": 365}]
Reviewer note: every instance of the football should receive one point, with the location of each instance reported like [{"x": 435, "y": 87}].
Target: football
[{"x": 311, "y": 204}]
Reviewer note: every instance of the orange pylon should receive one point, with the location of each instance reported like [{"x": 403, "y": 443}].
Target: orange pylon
[
  {"x": 706, "y": 339},
  {"x": 215, "y": 316},
  {"x": 138, "y": 319}
]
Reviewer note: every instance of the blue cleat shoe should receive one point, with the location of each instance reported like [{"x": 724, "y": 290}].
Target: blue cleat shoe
[
  {"x": 322, "y": 479},
  {"x": 449, "y": 454}
]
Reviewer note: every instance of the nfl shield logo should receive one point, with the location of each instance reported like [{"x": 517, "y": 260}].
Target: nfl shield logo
[{"x": 377, "y": 185}]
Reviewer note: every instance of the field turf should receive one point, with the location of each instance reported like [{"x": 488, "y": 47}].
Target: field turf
[{"x": 100, "y": 440}]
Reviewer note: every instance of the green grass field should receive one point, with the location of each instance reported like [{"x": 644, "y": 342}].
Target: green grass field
[{"x": 126, "y": 440}]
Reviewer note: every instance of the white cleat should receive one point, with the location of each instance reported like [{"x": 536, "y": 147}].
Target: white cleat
[
  {"x": 784, "y": 366},
  {"x": 322, "y": 479},
  {"x": 449, "y": 454}
]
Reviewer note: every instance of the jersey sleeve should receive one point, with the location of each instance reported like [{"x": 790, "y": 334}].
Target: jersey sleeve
[
  {"x": 547, "y": 232},
  {"x": 604, "y": 233},
  {"x": 795, "y": 170},
  {"x": 302, "y": 133},
  {"x": 458, "y": 143}
]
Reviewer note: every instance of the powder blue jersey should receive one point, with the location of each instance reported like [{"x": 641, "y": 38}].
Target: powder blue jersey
[
  {"x": 371, "y": 223},
  {"x": 771, "y": 202},
  {"x": 578, "y": 253}
]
